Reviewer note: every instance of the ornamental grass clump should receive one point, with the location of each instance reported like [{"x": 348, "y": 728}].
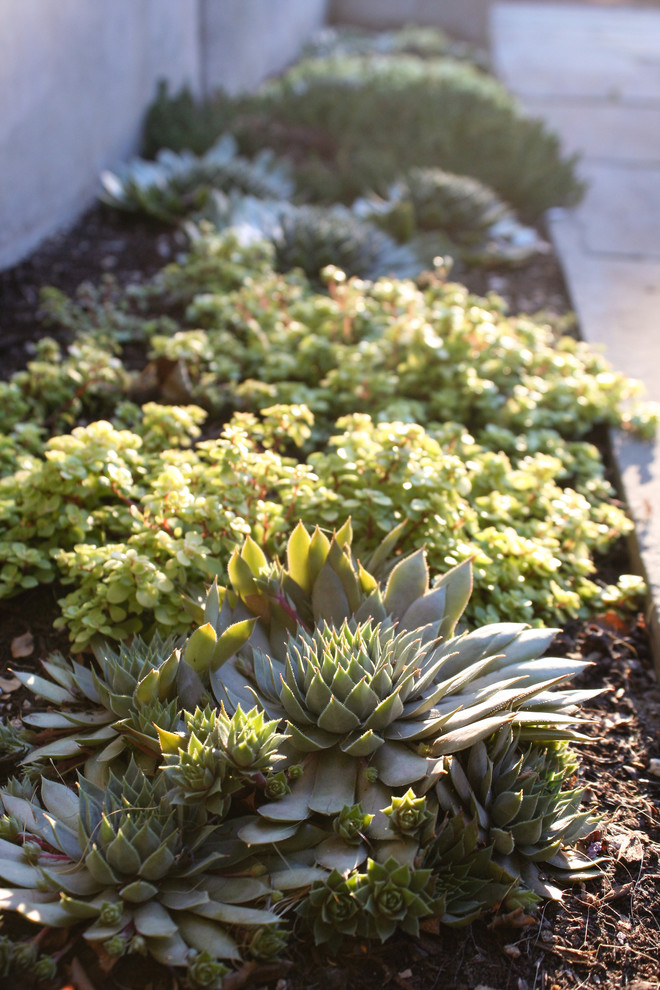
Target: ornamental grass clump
[{"x": 328, "y": 751}]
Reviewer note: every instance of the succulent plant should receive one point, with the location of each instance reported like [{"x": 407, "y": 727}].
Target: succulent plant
[
  {"x": 374, "y": 688},
  {"x": 181, "y": 184},
  {"x": 386, "y": 896},
  {"x": 518, "y": 798},
  {"x": 313, "y": 237},
  {"x": 322, "y": 580},
  {"x": 462, "y": 206},
  {"x": 122, "y": 860},
  {"x": 14, "y": 742},
  {"x": 367, "y": 765},
  {"x": 215, "y": 755},
  {"x": 109, "y": 708}
]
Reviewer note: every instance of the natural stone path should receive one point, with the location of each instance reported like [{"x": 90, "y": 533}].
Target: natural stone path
[{"x": 593, "y": 73}]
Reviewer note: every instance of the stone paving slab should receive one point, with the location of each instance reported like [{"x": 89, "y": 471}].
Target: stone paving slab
[
  {"x": 593, "y": 73},
  {"x": 610, "y": 130},
  {"x": 611, "y": 53},
  {"x": 617, "y": 301},
  {"x": 620, "y": 213}
]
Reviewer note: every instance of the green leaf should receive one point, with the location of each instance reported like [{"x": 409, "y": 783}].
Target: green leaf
[
  {"x": 207, "y": 936},
  {"x": 235, "y": 914},
  {"x": 261, "y": 831},
  {"x": 336, "y": 717},
  {"x": 454, "y": 742},
  {"x": 408, "y": 581},
  {"x": 399, "y": 766},
  {"x": 319, "y": 547},
  {"x": 385, "y": 548},
  {"x": 153, "y": 921},
  {"x": 212, "y": 606},
  {"x": 241, "y": 576},
  {"x": 231, "y": 641},
  {"x": 138, "y": 891},
  {"x": 335, "y": 854},
  {"x": 254, "y": 556},
  {"x": 297, "y": 553},
  {"x": 458, "y": 585},
  {"x": 147, "y": 689},
  {"x": 335, "y": 782},
  {"x": 200, "y": 648},
  {"x": 45, "y": 689},
  {"x": 329, "y": 600},
  {"x": 21, "y": 874},
  {"x": 173, "y": 951},
  {"x": 61, "y": 801}
]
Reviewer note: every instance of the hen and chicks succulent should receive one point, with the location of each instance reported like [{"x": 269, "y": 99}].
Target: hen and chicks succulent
[{"x": 325, "y": 746}]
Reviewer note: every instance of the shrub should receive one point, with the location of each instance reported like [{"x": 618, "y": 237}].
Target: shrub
[{"x": 448, "y": 114}]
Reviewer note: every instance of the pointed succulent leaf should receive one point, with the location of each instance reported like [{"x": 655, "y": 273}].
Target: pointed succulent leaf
[
  {"x": 207, "y": 936},
  {"x": 200, "y": 648},
  {"x": 254, "y": 556},
  {"x": 45, "y": 689},
  {"x": 261, "y": 831},
  {"x": 211, "y": 612},
  {"x": 241, "y": 576},
  {"x": 231, "y": 641},
  {"x": 329, "y": 600},
  {"x": 317, "y": 554},
  {"x": 385, "y": 548},
  {"x": 153, "y": 921},
  {"x": 458, "y": 585},
  {"x": 459, "y": 739},
  {"x": 408, "y": 581},
  {"x": 297, "y": 557}
]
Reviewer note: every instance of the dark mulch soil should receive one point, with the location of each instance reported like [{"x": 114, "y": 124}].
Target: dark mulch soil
[{"x": 606, "y": 932}]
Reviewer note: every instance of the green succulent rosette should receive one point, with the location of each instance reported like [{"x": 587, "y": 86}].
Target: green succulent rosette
[{"x": 121, "y": 862}]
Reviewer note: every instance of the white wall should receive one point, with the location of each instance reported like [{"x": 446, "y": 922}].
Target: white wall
[
  {"x": 467, "y": 19},
  {"x": 244, "y": 41},
  {"x": 77, "y": 75}
]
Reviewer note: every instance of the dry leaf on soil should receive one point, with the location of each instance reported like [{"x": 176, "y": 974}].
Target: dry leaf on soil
[{"x": 22, "y": 646}]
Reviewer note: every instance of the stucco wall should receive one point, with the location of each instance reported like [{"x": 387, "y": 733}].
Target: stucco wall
[
  {"x": 466, "y": 19},
  {"x": 77, "y": 75},
  {"x": 244, "y": 41}
]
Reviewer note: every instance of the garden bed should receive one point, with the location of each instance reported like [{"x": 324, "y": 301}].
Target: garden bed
[{"x": 604, "y": 931}]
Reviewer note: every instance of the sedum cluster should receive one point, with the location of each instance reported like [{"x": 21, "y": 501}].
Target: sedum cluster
[
  {"x": 326, "y": 749},
  {"x": 310, "y": 403}
]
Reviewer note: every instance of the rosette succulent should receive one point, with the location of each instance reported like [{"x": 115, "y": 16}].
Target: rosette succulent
[
  {"x": 518, "y": 797},
  {"x": 215, "y": 755},
  {"x": 326, "y": 741},
  {"x": 178, "y": 185},
  {"x": 123, "y": 861},
  {"x": 118, "y": 704},
  {"x": 458, "y": 204},
  {"x": 373, "y": 904}
]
